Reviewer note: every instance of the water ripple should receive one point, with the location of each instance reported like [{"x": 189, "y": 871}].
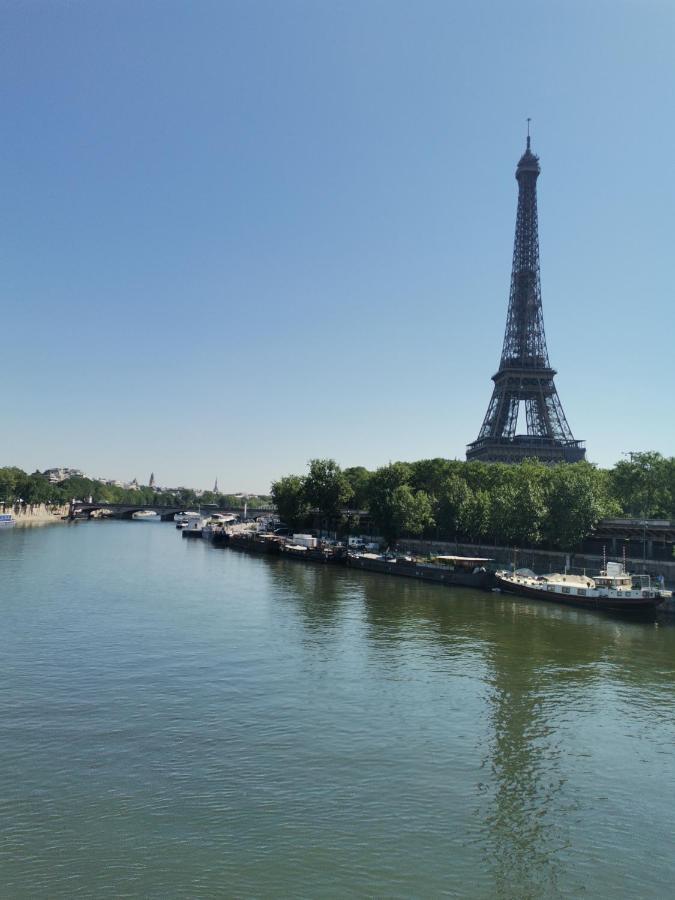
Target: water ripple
[{"x": 180, "y": 721}]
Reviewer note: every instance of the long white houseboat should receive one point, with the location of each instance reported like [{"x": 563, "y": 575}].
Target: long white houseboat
[{"x": 613, "y": 589}]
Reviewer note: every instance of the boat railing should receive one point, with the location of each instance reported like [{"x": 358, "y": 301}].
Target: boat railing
[{"x": 642, "y": 582}]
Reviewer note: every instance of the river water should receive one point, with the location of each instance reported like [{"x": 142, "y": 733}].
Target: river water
[{"x": 183, "y": 721}]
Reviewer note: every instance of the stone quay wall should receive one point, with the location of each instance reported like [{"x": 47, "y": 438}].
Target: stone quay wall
[
  {"x": 541, "y": 561},
  {"x": 35, "y": 513}
]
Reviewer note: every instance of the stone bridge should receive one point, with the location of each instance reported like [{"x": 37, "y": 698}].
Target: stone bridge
[{"x": 79, "y": 508}]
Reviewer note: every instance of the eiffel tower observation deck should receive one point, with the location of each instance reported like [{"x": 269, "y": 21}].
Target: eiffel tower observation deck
[{"x": 525, "y": 374}]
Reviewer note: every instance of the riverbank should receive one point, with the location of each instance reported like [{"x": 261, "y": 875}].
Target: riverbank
[
  {"x": 541, "y": 561},
  {"x": 27, "y": 514}
]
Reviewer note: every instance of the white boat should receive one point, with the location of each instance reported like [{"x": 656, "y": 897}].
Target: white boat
[
  {"x": 613, "y": 589},
  {"x": 184, "y": 517},
  {"x": 144, "y": 514},
  {"x": 6, "y": 520},
  {"x": 216, "y": 524},
  {"x": 193, "y": 528}
]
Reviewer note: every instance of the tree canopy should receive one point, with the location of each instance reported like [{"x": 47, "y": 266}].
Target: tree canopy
[
  {"x": 289, "y": 498},
  {"x": 644, "y": 485},
  {"x": 16, "y": 485},
  {"x": 327, "y": 489},
  {"x": 529, "y": 504}
]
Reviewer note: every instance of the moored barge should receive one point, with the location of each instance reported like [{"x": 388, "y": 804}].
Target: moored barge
[
  {"x": 613, "y": 590},
  {"x": 320, "y": 554},
  {"x": 252, "y": 542},
  {"x": 461, "y": 571}
]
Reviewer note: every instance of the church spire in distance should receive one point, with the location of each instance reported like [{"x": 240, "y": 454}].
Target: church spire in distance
[{"x": 525, "y": 374}]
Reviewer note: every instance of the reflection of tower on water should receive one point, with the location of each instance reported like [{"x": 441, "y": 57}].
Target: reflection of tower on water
[{"x": 537, "y": 662}]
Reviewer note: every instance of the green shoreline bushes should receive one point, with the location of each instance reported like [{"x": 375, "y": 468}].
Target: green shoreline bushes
[
  {"x": 16, "y": 485},
  {"x": 529, "y": 504}
]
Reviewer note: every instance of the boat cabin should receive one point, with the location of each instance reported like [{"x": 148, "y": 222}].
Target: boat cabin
[{"x": 465, "y": 563}]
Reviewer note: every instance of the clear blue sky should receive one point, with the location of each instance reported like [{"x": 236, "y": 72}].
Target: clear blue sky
[{"x": 237, "y": 235}]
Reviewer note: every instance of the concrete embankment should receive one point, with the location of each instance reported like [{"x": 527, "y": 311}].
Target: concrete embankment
[
  {"x": 35, "y": 514},
  {"x": 543, "y": 561}
]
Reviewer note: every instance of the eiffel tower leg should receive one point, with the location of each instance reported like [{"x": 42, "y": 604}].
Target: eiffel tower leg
[
  {"x": 507, "y": 415},
  {"x": 502, "y": 414}
]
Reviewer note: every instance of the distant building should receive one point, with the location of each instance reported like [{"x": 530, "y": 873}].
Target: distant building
[
  {"x": 56, "y": 476},
  {"x": 215, "y": 486},
  {"x": 151, "y": 483}
]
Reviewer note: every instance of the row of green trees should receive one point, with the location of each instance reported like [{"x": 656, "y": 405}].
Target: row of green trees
[
  {"x": 528, "y": 504},
  {"x": 15, "y": 484},
  {"x": 644, "y": 485}
]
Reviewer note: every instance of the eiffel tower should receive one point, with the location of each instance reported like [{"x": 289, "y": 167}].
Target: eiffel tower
[{"x": 525, "y": 374}]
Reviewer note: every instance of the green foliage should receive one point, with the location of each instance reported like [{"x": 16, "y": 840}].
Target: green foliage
[
  {"x": 11, "y": 480},
  {"x": 528, "y": 504},
  {"x": 576, "y": 500},
  {"x": 15, "y": 484},
  {"x": 289, "y": 498},
  {"x": 430, "y": 474},
  {"x": 359, "y": 481},
  {"x": 477, "y": 515},
  {"x": 502, "y": 502},
  {"x": 411, "y": 512},
  {"x": 35, "y": 489},
  {"x": 644, "y": 485},
  {"x": 396, "y": 508},
  {"x": 529, "y": 509},
  {"x": 454, "y": 497},
  {"x": 383, "y": 483},
  {"x": 327, "y": 489}
]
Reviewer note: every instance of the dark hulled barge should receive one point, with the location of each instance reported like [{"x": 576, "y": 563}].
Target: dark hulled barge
[
  {"x": 320, "y": 553},
  {"x": 613, "y": 590},
  {"x": 253, "y": 542},
  {"x": 460, "y": 571}
]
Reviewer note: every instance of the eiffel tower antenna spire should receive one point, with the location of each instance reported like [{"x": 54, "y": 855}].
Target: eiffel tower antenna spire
[{"x": 525, "y": 374}]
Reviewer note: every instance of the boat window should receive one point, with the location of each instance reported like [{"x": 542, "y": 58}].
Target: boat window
[
  {"x": 565, "y": 590},
  {"x": 550, "y": 588},
  {"x": 582, "y": 592}
]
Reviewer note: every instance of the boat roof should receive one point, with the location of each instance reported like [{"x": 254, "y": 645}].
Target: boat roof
[
  {"x": 466, "y": 559},
  {"x": 568, "y": 578}
]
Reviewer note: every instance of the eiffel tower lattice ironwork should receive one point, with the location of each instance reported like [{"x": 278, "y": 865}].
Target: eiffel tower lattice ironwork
[{"x": 525, "y": 374}]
